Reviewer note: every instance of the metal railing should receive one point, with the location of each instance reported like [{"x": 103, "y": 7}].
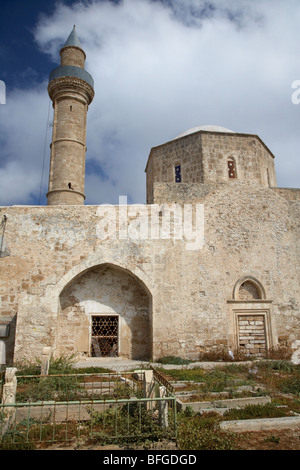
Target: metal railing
[
  {"x": 101, "y": 421},
  {"x": 163, "y": 381},
  {"x": 85, "y": 407},
  {"x": 2, "y": 381}
]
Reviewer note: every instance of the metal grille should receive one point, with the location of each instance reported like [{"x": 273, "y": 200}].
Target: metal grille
[
  {"x": 231, "y": 169},
  {"x": 105, "y": 336}
]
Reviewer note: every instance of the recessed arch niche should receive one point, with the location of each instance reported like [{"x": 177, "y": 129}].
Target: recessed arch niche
[
  {"x": 249, "y": 288},
  {"x": 102, "y": 293}
]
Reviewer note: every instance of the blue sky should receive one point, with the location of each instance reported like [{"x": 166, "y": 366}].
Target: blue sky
[{"x": 160, "y": 67}]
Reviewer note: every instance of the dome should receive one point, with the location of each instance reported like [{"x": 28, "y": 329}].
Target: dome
[{"x": 204, "y": 128}]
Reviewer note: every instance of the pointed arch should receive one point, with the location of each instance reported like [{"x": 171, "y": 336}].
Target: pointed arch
[
  {"x": 105, "y": 307},
  {"x": 249, "y": 288},
  {"x": 94, "y": 262}
]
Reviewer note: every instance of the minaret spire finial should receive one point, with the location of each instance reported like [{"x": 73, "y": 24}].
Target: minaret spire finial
[{"x": 73, "y": 39}]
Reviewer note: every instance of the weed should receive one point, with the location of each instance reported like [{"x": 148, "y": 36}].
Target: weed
[
  {"x": 277, "y": 365},
  {"x": 291, "y": 385},
  {"x": 269, "y": 410},
  {"x": 281, "y": 352},
  {"x": 221, "y": 353},
  {"x": 127, "y": 424},
  {"x": 202, "y": 432},
  {"x": 272, "y": 438},
  {"x": 173, "y": 360}
]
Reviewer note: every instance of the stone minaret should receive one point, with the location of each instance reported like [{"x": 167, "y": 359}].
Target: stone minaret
[{"x": 71, "y": 89}]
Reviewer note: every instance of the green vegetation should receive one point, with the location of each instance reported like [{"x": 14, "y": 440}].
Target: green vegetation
[
  {"x": 131, "y": 424},
  {"x": 202, "y": 432},
  {"x": 269, "y": 410},
  {"x": 59, "y": 366},
  {"x": 173, "y": 360}
]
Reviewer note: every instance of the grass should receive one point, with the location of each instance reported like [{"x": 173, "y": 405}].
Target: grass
[
  {"x": 66, "y": 383},
  {"x": 269, "y": 410},
  {"x": 216, "y": 380},
  {"x": 278, "y": 378},
  {"x": 202, "y": 432},
  {"x": 173, "y": 360},
  {"x": 59, "y": 366}
]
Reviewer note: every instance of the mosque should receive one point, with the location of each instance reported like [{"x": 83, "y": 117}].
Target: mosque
[{"x": 210, "y": 261}]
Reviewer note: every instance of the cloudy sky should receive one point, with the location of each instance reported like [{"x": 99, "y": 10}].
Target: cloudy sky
[{"x": 160, "y": 67}]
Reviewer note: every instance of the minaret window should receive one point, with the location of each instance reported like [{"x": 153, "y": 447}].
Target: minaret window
[
  {"x": 268, "y": 177},
  {"x": 231, "y": 168},
  {"x": 177, "y": 174}
]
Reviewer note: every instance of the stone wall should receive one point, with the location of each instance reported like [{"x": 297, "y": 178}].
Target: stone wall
[
  {"x": 249, "y": 232},
  {"x": 203, "y": 158},
  {"x": 252, "y": 335}
]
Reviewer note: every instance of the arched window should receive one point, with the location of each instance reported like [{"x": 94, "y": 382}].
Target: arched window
[
  {"x": 231, "y": 167},
  {"x": 177, "y": 174}
]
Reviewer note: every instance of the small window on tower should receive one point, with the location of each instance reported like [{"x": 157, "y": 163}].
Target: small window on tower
[
  {"x": 231, "y": 168},
  {"x": 177, "y": 174},
  {"x": 70, "y": 108},
  {"x": 268, "y": 177}
]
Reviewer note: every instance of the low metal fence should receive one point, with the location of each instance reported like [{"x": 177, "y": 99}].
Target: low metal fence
[
  {"x": 2, "y": 380},
  {"x": 163, "y": 381},
  {"x": 85, "y": 408}
]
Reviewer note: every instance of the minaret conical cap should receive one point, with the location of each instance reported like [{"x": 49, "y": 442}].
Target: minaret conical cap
[{"x": 73, "y": 39}]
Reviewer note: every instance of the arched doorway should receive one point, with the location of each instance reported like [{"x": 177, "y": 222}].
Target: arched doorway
[{"x": 106, "y": 311}]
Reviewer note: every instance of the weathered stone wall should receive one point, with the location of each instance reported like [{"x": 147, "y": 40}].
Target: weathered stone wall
[
  {"x": 203, "y": 158},
  {"x": 248, "y": 231}
]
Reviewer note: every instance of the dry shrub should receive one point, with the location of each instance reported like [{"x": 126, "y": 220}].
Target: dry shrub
[{"x": 220, "y": 353}]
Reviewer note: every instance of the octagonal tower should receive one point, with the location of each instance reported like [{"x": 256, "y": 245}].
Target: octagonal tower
[{"x": 210, "y": 155}]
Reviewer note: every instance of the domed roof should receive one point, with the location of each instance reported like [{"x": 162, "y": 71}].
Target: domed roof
[{"x": 204, "y": 128}]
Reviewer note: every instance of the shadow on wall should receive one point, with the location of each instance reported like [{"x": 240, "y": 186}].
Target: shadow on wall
[{"x": 106, "y": 311}]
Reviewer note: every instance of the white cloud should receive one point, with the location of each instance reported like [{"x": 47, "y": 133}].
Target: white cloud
[
  {"x": 163, "y": 67},
  {"x": 24, "y": 120}
]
